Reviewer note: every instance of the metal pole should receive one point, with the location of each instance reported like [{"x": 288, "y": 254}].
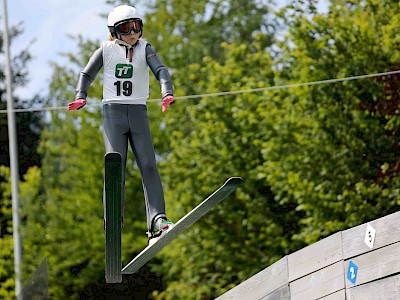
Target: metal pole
[{"x": 13, "y": 149}]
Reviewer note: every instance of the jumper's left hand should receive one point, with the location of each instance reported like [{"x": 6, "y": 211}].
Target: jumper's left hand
[
  {"x": 77, "y": 104},
  {"x": 166, "y": 102}
]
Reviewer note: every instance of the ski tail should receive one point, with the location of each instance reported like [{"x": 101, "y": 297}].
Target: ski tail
[{"x": 113, "y": 198}]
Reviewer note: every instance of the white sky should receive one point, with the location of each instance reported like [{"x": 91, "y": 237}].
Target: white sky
[{"x": 50, "y": 22}]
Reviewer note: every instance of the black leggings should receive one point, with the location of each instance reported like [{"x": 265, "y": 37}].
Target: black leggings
[{"x": 123, "y": 122}]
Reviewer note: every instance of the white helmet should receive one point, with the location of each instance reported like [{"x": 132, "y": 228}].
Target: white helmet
[{"x": 122, "y": 14}]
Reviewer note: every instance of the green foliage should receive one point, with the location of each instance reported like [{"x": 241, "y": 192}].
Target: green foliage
[
  {"x": 340, "y": 147},
  {"x": 7, "y": 280},
  {"x": 28, "y": 126},
  {"x": 315, "y": 159},
  {"x": 225, "y": 140},
  {"x": 321, "y": 163},
  {"x": 69, "y": 228}
]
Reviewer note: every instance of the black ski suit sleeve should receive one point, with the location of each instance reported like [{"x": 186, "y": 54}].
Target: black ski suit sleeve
[
  {"x": 89, "y": 73},
  {"x": 159, "y": 71}
]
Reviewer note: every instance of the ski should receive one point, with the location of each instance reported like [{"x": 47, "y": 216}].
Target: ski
[
  {"x": 189, "y": 219},
  {"x": 113, "y": 196}
]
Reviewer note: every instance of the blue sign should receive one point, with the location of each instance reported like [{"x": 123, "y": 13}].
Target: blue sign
[{"x": 352, "y": 272}]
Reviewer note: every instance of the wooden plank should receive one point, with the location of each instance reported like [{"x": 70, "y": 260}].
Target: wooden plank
[
  {"x": 261, "y": 284},
  {"x": 387, "y": 232},
  {"x": 318, "y": 284},
  {"x": 315, "y": 257},
  {"x": 283, "y": 293},
  {"x": 339, "y": 295},
  {"x": 376, "y": 264},
  {"x": 383, "y": 289}
]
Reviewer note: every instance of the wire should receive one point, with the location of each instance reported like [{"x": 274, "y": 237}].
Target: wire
[{"x": 277, "y": 87}]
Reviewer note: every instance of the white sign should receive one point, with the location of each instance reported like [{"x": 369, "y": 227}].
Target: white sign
[{"x": 370, "y": 236}]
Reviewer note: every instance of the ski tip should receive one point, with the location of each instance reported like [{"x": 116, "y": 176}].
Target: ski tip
[
  {"x": 113, "y": 156},
  {"x": 235, "y": 180}
]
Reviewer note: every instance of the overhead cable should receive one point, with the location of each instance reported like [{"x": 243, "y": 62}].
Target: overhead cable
[{"x": 218, "y": 94}]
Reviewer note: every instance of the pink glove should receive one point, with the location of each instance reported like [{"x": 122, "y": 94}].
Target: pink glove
[
  {"x": 77, "y": 104},
  {"x": 166, "y": 102}
]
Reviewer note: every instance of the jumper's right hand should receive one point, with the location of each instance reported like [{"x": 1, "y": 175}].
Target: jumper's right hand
[
  {"x": 166, "y": 102},
  {"x": 77, "y": 104}
]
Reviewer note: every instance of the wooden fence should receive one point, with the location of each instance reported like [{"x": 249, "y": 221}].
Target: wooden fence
[{"x": 359, "y": 263}]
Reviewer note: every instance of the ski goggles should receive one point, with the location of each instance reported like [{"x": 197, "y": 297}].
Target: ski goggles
[{"x": 127, "y": 27}]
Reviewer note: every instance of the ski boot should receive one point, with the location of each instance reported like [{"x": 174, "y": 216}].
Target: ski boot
[{"x": 160, "y": 226}]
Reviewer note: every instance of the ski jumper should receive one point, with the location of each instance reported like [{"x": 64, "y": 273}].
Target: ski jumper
[{"x": 125, "y": 92}]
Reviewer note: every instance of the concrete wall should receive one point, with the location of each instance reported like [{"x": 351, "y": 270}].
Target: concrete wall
[{"x": 359, "y": 263}]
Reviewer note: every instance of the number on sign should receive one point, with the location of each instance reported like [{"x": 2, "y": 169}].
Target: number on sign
[
  {"x": 352, "y": 272},
  {"x": 126, "y": 86},
  {"x": 369, "y": 238}
]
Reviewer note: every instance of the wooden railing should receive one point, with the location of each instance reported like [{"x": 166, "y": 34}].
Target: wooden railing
[{"x": 359, "y": 263}]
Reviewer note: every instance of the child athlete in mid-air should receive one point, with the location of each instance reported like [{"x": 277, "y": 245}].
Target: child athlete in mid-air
[{"x": 125, "y": 59}]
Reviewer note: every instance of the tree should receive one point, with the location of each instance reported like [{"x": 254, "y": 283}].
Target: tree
[
  {"x": 7, "y": 281},
  {"x": 318, "y": 158},
  {"x": 29, "y": 124},
  {"x": 59, "y": 146},
  {"x": 315, "y": 159},
  {"x": 227, "y": 138},
  {"x": 348, "y": 145}
]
